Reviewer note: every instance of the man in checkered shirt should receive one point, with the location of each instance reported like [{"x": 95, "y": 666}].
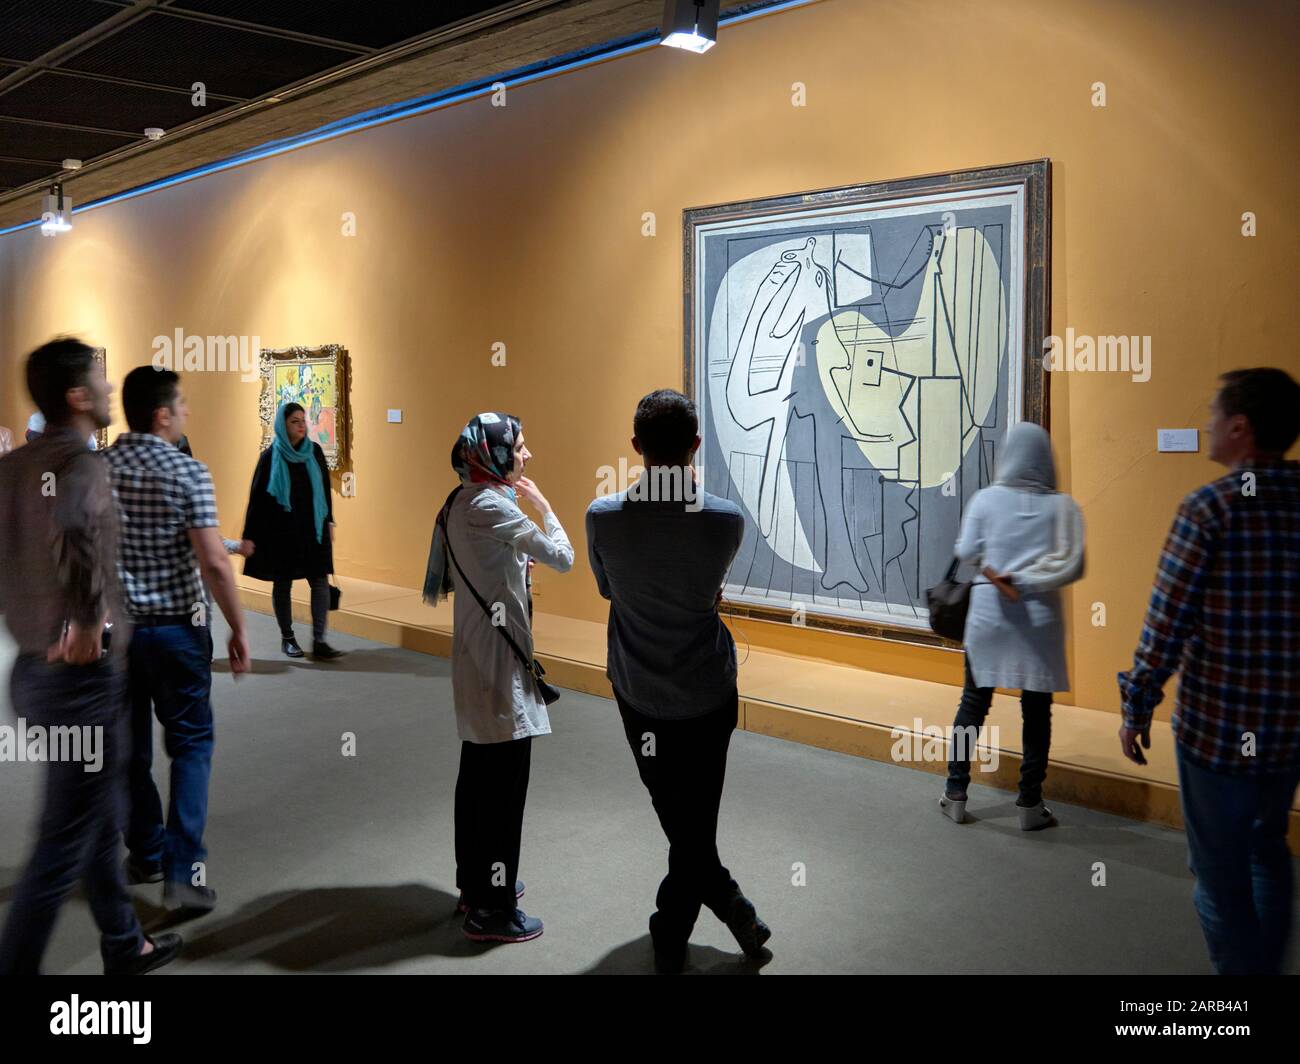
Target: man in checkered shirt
[
  {"x": 1226, "y": 611},
  {"x": 168, "y": 550}
]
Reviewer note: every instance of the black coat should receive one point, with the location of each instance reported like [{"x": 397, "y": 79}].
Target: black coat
[{"x": 285, "y": 546}]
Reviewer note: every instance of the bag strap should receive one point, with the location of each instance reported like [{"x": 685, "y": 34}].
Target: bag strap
[
  {"x": 446, "y": 537},
  {"x": 952, "y": 569}
]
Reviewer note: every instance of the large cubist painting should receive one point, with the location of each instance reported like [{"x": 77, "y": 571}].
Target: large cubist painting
[{"x": 856, "y": 356}]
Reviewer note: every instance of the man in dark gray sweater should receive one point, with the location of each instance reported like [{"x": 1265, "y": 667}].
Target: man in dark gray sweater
[
  {"x": 58, "y": 586},
  {"x": 660, "y": 551}
]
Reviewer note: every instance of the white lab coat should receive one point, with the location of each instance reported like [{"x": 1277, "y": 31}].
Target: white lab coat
[{"x": 492, "y": 539}]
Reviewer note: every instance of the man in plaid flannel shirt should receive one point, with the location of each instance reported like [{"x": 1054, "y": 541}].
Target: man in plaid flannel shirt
[
  {"x": 168, "y": 551},
  {"x": 1226, "y": 611}
]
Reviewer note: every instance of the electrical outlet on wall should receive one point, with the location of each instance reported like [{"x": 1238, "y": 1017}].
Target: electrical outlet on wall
[{"x": 394, "y": 417}]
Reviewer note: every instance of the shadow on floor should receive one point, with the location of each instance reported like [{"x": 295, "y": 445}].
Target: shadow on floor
[
  {"x": 1163, "y": 851},
  {"x": 336, "y": 929},
  {"x": 8, "y": 883},
  {"x": 637, "y": 958},
  {"x": 327, "y": 929},
  {"x": 381, "y": 659}
]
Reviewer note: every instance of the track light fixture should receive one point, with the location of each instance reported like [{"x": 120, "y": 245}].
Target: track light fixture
[
  {"x": 690, "y": 24},
  {"x": 56, "y": 212}
]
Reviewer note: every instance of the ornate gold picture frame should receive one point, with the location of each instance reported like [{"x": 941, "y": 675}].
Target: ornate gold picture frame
[
  {"x": 101, "y": 435},
  {"x": 318, "y": 379}
]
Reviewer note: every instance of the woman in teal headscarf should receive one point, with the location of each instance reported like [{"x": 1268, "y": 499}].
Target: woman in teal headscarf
[{"x": 289, "y": 528}]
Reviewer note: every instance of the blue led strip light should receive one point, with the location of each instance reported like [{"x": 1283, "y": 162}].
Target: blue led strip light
[{"x": 392, "y": 112}]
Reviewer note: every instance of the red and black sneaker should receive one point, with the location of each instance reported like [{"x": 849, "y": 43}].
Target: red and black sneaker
[{"x": 500, "y": 925}]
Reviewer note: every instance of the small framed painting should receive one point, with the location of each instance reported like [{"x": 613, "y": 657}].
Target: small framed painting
[{"x": 317, "y": 379}]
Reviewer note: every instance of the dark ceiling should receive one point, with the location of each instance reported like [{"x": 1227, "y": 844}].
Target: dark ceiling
[{"x": 82, "y": 78}]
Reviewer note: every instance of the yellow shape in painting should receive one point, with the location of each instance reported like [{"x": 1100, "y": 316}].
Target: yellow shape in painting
[
  {"x": 865, "y": 372},
  {"x": 875, "y": 419},
  {"x": 313, "y": 388}
]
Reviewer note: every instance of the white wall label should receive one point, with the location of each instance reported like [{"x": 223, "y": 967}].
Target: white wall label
[
  {"x": 1177, "y": 439},
  {"x": 395, "y": 418}
]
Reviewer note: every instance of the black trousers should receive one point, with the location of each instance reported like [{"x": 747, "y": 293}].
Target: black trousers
[
  {"x": 491, "y": 789},
  {"x": 1036, "y": 738},
  {"x": 320, "y": 606},
  {"x": 683, "y": 764},
  {"x": 80, "y": 833}
]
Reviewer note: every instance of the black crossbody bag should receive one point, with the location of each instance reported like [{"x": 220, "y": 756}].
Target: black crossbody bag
[
  {"x": 549, "y": 692},
  {"x": 949, "y": 601}
]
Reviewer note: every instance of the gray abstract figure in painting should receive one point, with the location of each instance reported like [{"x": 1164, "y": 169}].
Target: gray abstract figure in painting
[{"x": 856, "y": 373}]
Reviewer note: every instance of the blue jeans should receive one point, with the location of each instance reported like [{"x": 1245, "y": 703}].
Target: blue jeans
[
  {"x": 1236, "y": 841},
  {"x": 171, "y": 677},
  {"x": 80, "y": 833}
]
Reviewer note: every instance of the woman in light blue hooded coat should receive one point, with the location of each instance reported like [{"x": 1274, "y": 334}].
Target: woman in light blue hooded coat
[{"x": 1030, "y": 538}]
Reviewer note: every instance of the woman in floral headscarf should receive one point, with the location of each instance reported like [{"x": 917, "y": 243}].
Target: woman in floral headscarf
[{"x": 483, "y": 542}]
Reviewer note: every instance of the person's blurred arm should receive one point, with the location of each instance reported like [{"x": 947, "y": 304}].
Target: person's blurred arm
[
  {"x": 220, "y": 580},
  {"x": 253, "y": 514},
  {"x": 329, "y": 491},
  {"x": 1004, "y": 585},
  {"x": 1064, "y": 564},
  {"x": 738, "y": 539},
  {"x": 593, "y": 557},
  {"x": 1172, "y": 612},
  {"x": 200, "y": 506},
  {"x": 84, "y": 507},
  {"x": 509, "y": 524}
]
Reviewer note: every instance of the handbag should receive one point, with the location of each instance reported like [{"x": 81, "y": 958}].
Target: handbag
[
  {"x": 336, "y": 595},
  {"x": 550, "y": 694},
  {"x": 949, "y": 601}
]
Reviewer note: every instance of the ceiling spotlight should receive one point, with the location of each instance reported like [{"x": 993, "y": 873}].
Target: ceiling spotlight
[
  {"x": 690, "y": 24},
  {"x": 72, "y": 164},
  {"x": 56, "y": 212},
  {"x": 153, "y": 133}
]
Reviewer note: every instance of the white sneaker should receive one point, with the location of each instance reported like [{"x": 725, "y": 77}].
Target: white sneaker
[
  {"x": 953, "y": 809},
  {"x": 1035, "y": 817}
]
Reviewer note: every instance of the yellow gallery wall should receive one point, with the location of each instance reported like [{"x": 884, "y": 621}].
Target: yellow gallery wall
[{"x": 523, "y": 225}]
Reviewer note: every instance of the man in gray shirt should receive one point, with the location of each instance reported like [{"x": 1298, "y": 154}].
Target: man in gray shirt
[
  {"x": 660, "y": 551},
  {"x": 58, "y": 588}
]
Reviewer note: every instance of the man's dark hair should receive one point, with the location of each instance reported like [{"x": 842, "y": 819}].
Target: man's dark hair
[
  {"x": 144, "y": 391},
  {"x": 1269, "y": 399},
  {"x": 666, "y": 425},
  {"x": 52, "y": 369}
]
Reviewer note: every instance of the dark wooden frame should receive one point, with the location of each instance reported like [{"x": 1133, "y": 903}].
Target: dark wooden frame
[{"x": 1035, "y": 178}]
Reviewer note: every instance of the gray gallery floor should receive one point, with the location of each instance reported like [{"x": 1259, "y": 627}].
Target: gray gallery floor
[{"x": 326, "y": 863}]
